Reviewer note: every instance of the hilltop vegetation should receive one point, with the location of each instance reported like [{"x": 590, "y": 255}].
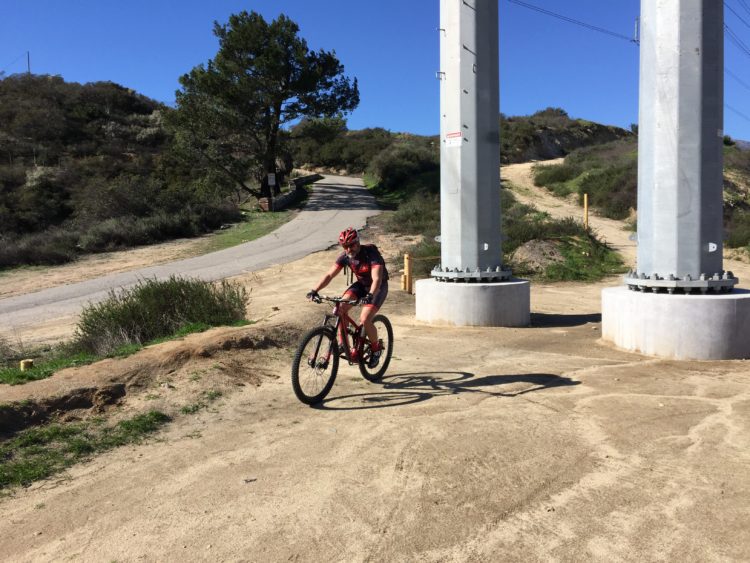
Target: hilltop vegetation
[
  {"x": 546, "y": 134},
  {"x": 550, "y": 133},
  {"x": 85, "y": 168}
]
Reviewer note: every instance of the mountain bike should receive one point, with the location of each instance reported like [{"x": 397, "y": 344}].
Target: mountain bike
[{"x": 316, "y": 360}]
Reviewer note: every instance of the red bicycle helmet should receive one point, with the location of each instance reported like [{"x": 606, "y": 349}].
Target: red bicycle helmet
[{"x": 348, "y": 237}]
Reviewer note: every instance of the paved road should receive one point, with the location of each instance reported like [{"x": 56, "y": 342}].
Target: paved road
[{"x": 337, "y": 202}]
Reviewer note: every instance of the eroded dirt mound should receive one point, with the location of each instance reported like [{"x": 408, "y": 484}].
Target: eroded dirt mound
[
  {"x": 536, "y": 255},
  {"x": 217, "y": 359}
]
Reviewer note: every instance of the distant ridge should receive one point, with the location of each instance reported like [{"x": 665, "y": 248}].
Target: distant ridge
[{"x": 744, "y": 145}]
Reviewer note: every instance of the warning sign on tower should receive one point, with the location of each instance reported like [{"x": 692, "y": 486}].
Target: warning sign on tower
[{"x": 453, "y": 139}]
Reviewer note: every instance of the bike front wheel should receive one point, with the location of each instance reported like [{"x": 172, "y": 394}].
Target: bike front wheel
[
  {"x": 385, "y": 336},
  {"x": 315, "y": 365}
]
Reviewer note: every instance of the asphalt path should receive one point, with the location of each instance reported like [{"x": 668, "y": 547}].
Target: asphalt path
[{"x": 337, "y": 202}]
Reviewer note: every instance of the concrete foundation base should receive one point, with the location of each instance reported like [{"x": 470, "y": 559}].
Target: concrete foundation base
[
  {"x": 474, "y": 304},
  {"x": 683, "y": 327}
]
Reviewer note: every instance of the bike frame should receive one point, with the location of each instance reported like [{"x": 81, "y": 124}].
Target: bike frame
[{"x": 341, "y": 322}]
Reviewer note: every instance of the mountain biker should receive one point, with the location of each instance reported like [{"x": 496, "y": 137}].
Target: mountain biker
[{"x": 371, "y": 287}]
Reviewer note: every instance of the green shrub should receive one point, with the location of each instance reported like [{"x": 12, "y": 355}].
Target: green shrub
[
  {"x": 418, "y": 214},
  {"x": 545, "y": 175},
  {"x": 154, "y": 309},
  {"x": 393, "y": 166},
  {"x": 62, "y": 245},
  {"x": 738, "y": 230},
  {"x": 613, "y": 190},
  {"x": 55, "y": 246}
]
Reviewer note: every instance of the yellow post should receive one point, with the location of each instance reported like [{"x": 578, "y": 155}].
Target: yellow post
[
  {"x": 407, "y": 272},
  {"x": 586, "y": 211},
  {"x": 26, "y": 365}
]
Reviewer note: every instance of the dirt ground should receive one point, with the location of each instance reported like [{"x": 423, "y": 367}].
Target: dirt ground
[{"x": 533, "y": 444}]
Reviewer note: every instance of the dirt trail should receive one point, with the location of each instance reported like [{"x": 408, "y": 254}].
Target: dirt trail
[
  {"x": 608, "y": 230},
  {"x": 501, "y": 444}
]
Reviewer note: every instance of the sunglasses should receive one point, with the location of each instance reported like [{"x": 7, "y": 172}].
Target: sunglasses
[{"x": 348, "y": 246}]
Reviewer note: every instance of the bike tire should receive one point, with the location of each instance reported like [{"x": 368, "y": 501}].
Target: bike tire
[
  {"x": 385, "y": 333},
  {"x": 312, "y": 381}
]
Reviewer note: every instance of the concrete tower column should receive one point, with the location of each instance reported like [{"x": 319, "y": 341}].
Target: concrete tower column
[
  {"x": 679, "y": 302},
  {"x": 470, "y": 286}
]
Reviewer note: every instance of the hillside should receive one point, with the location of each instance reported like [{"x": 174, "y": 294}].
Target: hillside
[
  {"x": 87, "y": 168},
  {"x": 551, "y": 133}
]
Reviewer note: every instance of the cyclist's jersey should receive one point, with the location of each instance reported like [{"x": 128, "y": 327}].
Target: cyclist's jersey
[{"x": 367, "y": 257}]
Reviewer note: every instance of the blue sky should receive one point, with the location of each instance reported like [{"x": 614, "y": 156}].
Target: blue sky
[{"x": 391, "y": 46}]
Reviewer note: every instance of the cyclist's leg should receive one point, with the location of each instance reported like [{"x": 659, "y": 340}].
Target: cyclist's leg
[
  {"x": 369, "y": 312},
  {"x": 365, "y": 318},
  {"x": 354, "y": 291}
]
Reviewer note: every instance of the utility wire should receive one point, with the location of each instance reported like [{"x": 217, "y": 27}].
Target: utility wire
[
  {"x": 573, "y": 21},
  {"x": 22, "y": 55},
  {"x": 742, "y": 115},
  {"x": 739, "y": 17},
  {"x": 737, "y": 78},
  {"x": 744, "y": 5},
  {"x": 732, "y": 36}
]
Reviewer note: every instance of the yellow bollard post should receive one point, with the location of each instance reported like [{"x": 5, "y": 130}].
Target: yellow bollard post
[
  {"x": 26, "y": 365},
  {"x": 407, "y": 272},
  {"x": 586, "y": 211}
]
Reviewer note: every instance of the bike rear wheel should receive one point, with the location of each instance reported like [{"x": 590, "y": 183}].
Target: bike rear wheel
[
  {"x": 385, "y": 335},
  {"x": 315, "y": 365}
]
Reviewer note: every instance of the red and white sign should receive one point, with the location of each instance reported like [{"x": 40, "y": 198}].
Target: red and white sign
[{"x": 453, "y": 139}]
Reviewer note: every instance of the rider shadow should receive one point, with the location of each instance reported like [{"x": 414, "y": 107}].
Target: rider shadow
[{"x": 408, "y": 388}]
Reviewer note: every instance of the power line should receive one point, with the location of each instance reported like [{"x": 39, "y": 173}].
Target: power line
[
  {"x": 732, "y": 36},
  {"x": 744, "y": 5},
  {"x": 742, "y": 115},
  {"x": 573, "y": 21},
  {"x": 737, "y": 78},
  {"x": 736, "y": 40},
  {"x": 739, "y": 17},
  {"x": 6, "y": 67}
]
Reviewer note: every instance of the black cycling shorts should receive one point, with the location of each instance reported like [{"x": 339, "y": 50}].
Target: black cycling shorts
[{"x": 377, "y": 299}]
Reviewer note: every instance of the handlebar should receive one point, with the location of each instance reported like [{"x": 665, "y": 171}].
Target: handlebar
[{"x": 321, "y": 298}]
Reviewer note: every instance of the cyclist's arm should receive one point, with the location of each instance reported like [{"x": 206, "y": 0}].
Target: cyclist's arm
[
  {"x": 377, "y": 278},
  {"x": 325, "y": 280}
]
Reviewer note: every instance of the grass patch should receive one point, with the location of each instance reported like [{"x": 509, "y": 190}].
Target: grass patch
[
  {"x": 44, "y": 368},
  {"x": 586, "y": 259},
  {"x": 39, "y": 452},
  {"x": 206, "y": 399},
  {"x": 256, "y": 224}
]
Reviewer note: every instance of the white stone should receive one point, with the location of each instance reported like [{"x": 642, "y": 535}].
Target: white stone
[
  {"x": 678, "y": 326},
  {"x": 474, "y": 304}
]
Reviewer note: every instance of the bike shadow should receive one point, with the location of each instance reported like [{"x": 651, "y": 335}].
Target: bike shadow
[{"x": 408, "y": 388}]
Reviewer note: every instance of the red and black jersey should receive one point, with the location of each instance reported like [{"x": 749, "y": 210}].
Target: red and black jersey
[{"x": 361, "y": 265}]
